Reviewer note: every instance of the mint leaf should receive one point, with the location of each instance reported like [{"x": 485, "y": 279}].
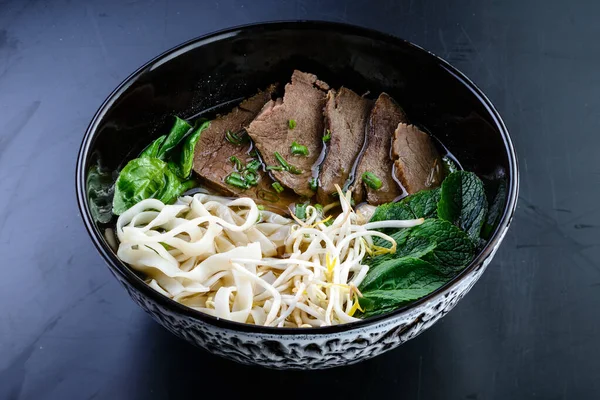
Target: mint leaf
[
  {"x": 397, "y": 273},
  {"x": 436, "y": 241},
  {"x": 463, "y": 202},
  {"x": 419, "y": 205},
  {"x": 418, "y": 282}
]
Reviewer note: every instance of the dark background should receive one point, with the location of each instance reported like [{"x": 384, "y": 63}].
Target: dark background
[{"x": 528, "y": 330}]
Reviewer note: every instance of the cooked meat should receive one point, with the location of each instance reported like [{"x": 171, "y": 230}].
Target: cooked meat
[
  {"x": 213, "y": 152},
  {"x": 417, "y": 161},
  {"x": 383, "y": 121},
  {"x": 297, "y": 118},
  {"x": 346, "y": 115}
]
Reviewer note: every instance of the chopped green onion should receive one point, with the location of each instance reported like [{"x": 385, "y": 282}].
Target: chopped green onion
[
  {"x": 327, "y": 136},
  {"x": 253, "y": 165},
  {"x": 313, "y": 183},
  {"x": 237, "y": 138},
  {"x": 275, "y": 168},
  {"x": 292, "y": 123},
  {"x": 261, "y": 207},
  {"x": 329, "y": 222},
  {"x": 236, "y": 182},
  {"x": 250, "y": 177},
  {"x": 236, "y": 175},
  {"x": 299, "y": 150},
  {"x": 253, "y": 153},
  {"x": 236, "y": 161},
  {"x": 371, "y": 180},
  {"x": 300, "y": 211},
  {"x": 287, "y": 166},
  {"x": 319, "y": 208},
  {"x": 277, "y": 186},
  {"x": 268, "y": 196}
]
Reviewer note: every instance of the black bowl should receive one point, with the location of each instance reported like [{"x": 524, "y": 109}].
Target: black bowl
[{"x": 232, "y": 64}]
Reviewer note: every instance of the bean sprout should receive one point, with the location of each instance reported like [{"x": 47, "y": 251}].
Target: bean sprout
[{"x": 227, "y": 258}]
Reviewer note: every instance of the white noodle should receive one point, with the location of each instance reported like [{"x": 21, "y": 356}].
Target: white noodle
[{"x": 222, "y": 257}]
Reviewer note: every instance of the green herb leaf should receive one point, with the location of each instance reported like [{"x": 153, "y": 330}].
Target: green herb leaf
[
  {"x": 313, "y": 184},
  {"x": 298, "y": 149},
  {"x": 153, "y": 148},
  {"x": 178, "y": 131},
  {"x": 292, "y": 123},
  {"x": 463, "y": 202},
  {"x": 186, "y": 157},
  {"x": 436, "y": 241},
  {"x": 419, "y": 205},
  {"x": 145, "y": 178},
  {"x": 379, "y": 302},
  {"x": 371, "y": 180}
]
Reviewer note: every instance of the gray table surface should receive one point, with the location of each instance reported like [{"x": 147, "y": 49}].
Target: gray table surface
[{"x": 529, "y": 329}]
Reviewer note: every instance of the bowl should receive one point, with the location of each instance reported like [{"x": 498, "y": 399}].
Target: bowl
[{"x": 232, "y": 64}]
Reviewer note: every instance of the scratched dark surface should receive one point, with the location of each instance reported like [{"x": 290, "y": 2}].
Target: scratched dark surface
[{"x": 529, "y": 328}]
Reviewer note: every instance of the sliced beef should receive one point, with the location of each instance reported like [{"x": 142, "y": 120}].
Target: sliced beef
[
  {"x": 271, "y": 131},
  {"x": 417, "y": 161},
  {"x": 213, "y": 152},
  {"x": 376, "y": 158},
  {"x": 346, "y": 115}
]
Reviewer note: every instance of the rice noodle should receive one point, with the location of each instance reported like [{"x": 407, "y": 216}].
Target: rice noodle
[{"x": 220, "y": 256}]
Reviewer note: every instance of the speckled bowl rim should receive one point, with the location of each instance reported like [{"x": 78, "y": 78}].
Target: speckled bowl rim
[{"x": 120, "y": 268}]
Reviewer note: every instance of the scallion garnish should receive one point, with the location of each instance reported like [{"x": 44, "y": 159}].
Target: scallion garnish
[
  {"x": 236, "y": 175},
  {"x": 268, "y": 196},
  {"x": 287, "y": 166},
  {"x": 292, "y": 123},
  {"x": 300, "y": 211},
  {"x": 250, "y": 177},
  {"x": 299, "y": 150},
  {"x": 313, "y": 184},
  {"x": 319, "y": 208},
  {"x": 236, "y": 161},
  {"x": 236, "y": 182},
  {"x": 275, "y": 168},
  {"x": 277, "y": 186},
  {"x": 237, "y": 138},
  {"x": 371, "y": 180},
  {"x": 327, "y": 136},
  {"x": 261, "y": 207},
  {"x": 253, "y": 165}
]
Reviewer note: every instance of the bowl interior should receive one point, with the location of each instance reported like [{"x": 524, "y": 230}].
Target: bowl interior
[{"x": 234, "y": 64}]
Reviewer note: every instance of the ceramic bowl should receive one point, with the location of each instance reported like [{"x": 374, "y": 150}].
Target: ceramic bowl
[{"x": 232, "y": 64}]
